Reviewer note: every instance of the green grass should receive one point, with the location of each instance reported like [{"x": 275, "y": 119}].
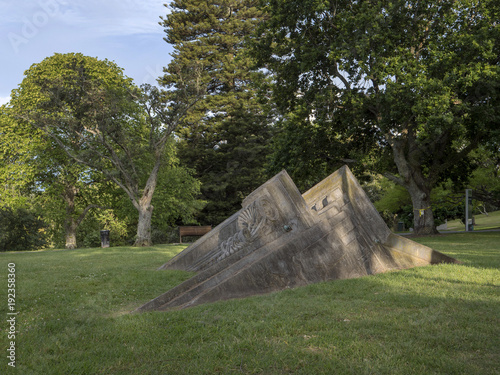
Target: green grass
[
  {"x": 73, "y": 318},
  {"x": 490, "y": 221}
]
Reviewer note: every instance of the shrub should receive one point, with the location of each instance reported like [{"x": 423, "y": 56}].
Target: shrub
[{"x": 21, "y": 229}]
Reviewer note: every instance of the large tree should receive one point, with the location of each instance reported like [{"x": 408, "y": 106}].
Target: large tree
[
  {"x": 419, "y": 78},
  {"x": 33, "y": 169},
  {"x": 225, "y": 136},
  {"x": 101, "y": 120}
]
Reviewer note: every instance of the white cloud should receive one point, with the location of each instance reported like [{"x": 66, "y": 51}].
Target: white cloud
[
  {"x": 114, "y": 17},
  {"x": 124, "y": 31},
  {"x": 96, "y": 18},
  {"x": 4, "y": 99}
]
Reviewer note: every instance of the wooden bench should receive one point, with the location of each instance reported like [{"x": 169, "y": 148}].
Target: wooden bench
[{"x": 194, "y": 231}]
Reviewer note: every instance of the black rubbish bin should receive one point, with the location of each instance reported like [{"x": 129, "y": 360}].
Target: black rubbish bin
[
  {"x": 401, "y": 226},
  {"x": 104, "y": 238}
]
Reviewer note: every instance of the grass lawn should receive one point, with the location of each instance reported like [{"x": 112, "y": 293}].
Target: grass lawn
[
  {"x": 74, "y": 318},
  {"x": 490, "y": 221}
]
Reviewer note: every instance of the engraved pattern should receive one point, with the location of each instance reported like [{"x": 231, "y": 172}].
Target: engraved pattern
[{"x": 252, "y": 221}]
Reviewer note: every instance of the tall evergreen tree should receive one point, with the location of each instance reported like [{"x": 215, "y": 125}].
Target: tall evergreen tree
[{"x": 225, "y": 136}]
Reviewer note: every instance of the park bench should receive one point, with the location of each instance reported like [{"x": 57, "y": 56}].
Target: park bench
[{"x": 193, "y": 231}]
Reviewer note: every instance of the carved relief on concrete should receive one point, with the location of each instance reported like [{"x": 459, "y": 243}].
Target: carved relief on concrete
[
  {"x": 255, "y": 220},
  {"x": 282, "y": 239}
]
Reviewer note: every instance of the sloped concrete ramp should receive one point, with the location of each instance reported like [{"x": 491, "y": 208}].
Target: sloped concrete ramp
[{"x": 282, "y": 239}]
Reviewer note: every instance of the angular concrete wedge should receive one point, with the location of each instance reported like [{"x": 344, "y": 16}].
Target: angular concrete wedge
[{"x": 282, "y": 239}]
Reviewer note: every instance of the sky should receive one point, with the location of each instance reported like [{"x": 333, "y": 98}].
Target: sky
[{"x": 124, "y": 31}]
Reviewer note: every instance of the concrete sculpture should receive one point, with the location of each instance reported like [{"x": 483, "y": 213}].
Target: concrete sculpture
[{"x": 282, "y": 239}]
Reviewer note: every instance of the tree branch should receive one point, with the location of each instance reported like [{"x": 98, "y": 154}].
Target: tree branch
[
  {"x": 394, "y": 179},
  {"x": 86, "y": 210},
  {"x": 128, "y": 189}
]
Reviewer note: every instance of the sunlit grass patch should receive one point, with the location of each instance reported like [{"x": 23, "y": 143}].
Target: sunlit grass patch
[
  {"x": 75, "y": 318},
  {"x": 482, "y": 222}
]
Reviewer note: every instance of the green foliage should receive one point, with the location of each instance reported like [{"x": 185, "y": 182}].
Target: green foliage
[
  {"x": 304, "y": 149},
  {"x": 414, "y": 84},
  {"x": 121, "y": 231},
  {"x": 485, "y": 180},
  {"x": 54, "y": 109},
  {"x": 21, "y": 229},
  {"x": 17, "y": 170},
  {"x": 176, "y": 199},
  {"x": 97, "y": 118},
  {"x": 79, "y": 101},
  {"x": 225, "y": 136},
  {"x": 229, "y": 167},
  {"x": 38, "y": 174},
  {"x": 394, "y": 203}
]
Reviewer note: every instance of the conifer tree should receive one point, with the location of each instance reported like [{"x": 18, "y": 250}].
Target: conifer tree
[{"x": 225, "y": 136}]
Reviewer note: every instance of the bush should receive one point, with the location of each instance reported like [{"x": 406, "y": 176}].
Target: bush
[
  {"x": 164, "y": 235},
  {"x": 21, "y": 229},
  {"x": 89, "y": 232}
]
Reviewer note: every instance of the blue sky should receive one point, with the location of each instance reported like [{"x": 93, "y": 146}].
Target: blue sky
[{"x": 124, "y": 31}]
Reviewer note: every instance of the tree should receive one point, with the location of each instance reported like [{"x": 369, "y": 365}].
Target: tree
[
  {"x": 310, "y": 149},
  {"x": 177, "y": 197},
  {"x": 102, "y": 121},
  {"x": 419, "y": 79},
  {"x": 225, "y": 136},
  {"x": 31, "y": 165}
]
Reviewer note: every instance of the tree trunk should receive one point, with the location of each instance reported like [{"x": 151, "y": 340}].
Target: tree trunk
[
  {"x": 70, "y": 225},
  {"x": 143, "y": 237},
  {"x": 423, "y": 218},
  {"x": 145, "y": 208},
  {"x": 70, "y": 222},
  {"x": 70, "y": 236},
  {"x": 419, "y": 188}
]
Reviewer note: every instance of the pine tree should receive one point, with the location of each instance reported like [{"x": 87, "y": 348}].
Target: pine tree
[{"x": 225, "y": 137}]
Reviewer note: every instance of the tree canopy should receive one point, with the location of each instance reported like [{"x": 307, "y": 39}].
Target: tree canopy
[
  {"x": 407, "y": 88},
  {"x": 225, "y": 136},
  {"x": 102, "y": 121},
  {"x": 419, "y": 79}
]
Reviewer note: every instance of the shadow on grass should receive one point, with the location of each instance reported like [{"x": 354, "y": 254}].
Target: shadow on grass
[
  {"x": 441, "y": 319},
  {"x": 368, "y": 325}
]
